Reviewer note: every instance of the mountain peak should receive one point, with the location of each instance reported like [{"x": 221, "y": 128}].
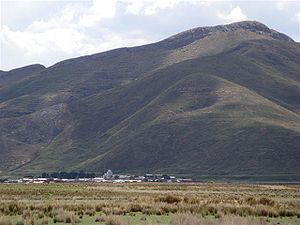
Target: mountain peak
[
  {"x": 191, "y": 35},
  {"x": 259, "y": 28},
  {"x": 247, "y": 25}
]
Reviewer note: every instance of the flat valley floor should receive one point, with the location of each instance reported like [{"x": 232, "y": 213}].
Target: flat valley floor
[{"x": 149, "y": 204}]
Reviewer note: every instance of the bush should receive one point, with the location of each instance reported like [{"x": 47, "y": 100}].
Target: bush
[
  {"x": 100, "y": 219},
  {"x": 170, "y": 199},
  {"x": 251, "y": 201},
  {"x": 65, "y": 217},
  {"x": 136, "y": 208},
  {"x": 90, "y": 212},
  {"x": 112, "y": 221},
  {"x": 266, "y": 201}
]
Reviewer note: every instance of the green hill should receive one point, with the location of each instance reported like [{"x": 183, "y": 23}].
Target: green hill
[{"x": 218, "y": 101}]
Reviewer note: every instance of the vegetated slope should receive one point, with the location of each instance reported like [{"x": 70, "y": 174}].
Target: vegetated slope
[
  {"x": 204, "y": 116},
  {"x": 209, "y": 101}
]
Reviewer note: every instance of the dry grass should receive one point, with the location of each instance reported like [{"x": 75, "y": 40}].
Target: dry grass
[
  {"x": 62, "y": 216},
  {"x": 189, "y": 219},
  {"x": 4, "y": 220},
  {"x": 69, "y": 203},
  {"x": 113, "y": 221}
]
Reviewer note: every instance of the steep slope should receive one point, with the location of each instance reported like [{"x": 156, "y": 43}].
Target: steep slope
[
  {"x": 210, "y": 101},
  {"x": 205, "y": 116}
]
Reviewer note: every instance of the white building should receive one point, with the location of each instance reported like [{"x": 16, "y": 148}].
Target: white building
[{"x": 108, "y": 175}]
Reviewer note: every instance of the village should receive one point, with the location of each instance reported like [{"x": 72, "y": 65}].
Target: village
[{"x": 107, "y": 177}]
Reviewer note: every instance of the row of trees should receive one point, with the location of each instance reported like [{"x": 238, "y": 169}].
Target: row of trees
[{"x": 69, "y": 175}]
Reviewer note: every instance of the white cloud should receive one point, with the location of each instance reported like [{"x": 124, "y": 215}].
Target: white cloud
[
  {"x": 156, "y": 6},
  {"x": 49, "y": 31},
  {"x": 55, "y": 44},
  {"x": 134, "y": 7},
  {"x": 152, "y": 7},
  {"x": 33, "y": 44},
  {"x": 297, "y": 18},
  {"x": 281, "y": 4},
  {"x": 236, "y": 14},
  {"x": 65, "y": 34},
  {"x": 99, "y": 10}
]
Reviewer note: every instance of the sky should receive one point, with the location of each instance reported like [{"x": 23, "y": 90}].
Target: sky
[{"x": 47, "y": 32}]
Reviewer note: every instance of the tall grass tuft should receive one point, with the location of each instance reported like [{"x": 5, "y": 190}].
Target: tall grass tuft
[
  {"x": 111, "y": 220},
  {"x": 4, "y": 220},
  {"x": 62, "y": 216}
]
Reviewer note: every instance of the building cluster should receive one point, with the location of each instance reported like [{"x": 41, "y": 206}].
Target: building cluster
[{"x": 107, "y": 177}]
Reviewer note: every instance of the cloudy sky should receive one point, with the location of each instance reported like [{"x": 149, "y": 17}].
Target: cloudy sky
[{"x": 46, "y": 32}]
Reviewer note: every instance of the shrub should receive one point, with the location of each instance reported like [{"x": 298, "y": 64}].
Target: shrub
[
  {"x": 112, "y": 221},
  {"x": 100, "y": 219},
  {"x": 136, "y": 208},
  {"x": 251, "y": 201},
  {"x": 90, "y": 212},
  {"x": 66, "y": 217},
  {"x": 266, "y": 201},
  {"x": 170, "y": 199},
  {"x": 98, "y": 208}
]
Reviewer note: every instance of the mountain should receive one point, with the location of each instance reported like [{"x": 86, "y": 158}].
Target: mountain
[{"x": 220, "y": 102}]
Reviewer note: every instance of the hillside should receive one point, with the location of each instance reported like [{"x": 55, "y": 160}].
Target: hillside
[{"x": 214, "y": 101}]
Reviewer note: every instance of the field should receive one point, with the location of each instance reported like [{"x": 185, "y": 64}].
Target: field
[{"x": 149, "y": 204}]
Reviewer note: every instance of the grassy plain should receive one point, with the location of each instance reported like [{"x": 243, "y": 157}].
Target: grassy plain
[{"x": 147, "y": 203}]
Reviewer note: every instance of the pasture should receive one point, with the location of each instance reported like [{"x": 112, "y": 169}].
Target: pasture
[{"x": 149, "y": 204}]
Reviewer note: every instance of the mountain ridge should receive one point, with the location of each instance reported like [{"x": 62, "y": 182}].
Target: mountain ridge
[
  {"x": 182, "y": 109},
  {"x": 254, "y": 26}
]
